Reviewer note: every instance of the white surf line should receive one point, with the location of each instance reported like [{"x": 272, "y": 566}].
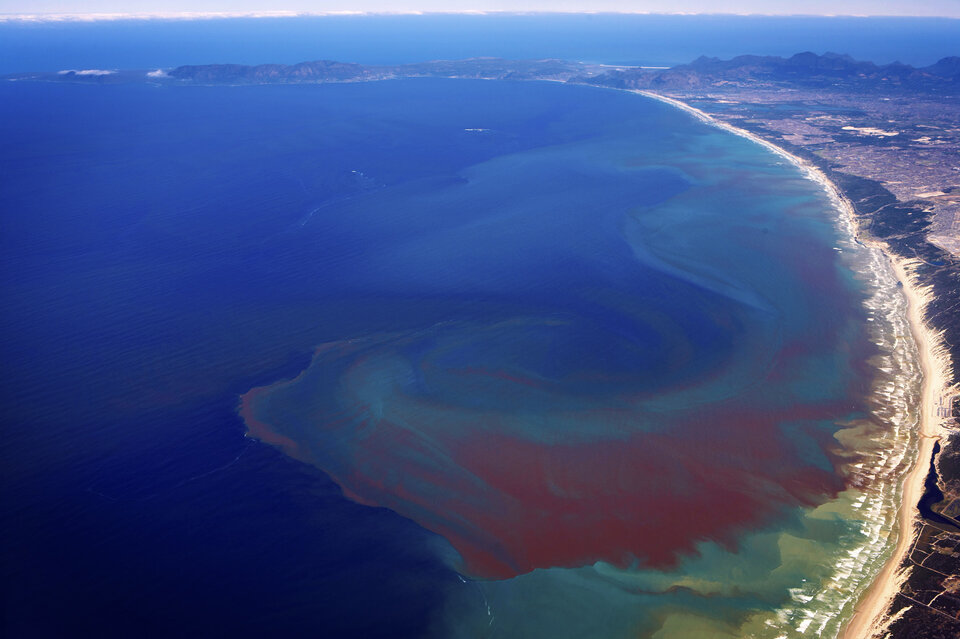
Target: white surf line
[{"x": 869, "y": 618}]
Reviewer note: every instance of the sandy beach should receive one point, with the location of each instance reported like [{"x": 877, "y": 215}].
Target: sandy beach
[{"x": 869, "y": 618}]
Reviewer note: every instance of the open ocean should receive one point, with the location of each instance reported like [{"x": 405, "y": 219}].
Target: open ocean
[
  {"x": 652, "y": 40},
  {"x": 561, "y": 362}
]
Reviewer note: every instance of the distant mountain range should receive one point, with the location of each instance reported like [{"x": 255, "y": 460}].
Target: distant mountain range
[
  {"x": 327, "y": 71},
  {"x": 830, "y": 71},
  {"x": 809, "y": 70}
]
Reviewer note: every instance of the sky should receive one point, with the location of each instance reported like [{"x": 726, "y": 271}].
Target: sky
[{"x": 948, "y": 8}]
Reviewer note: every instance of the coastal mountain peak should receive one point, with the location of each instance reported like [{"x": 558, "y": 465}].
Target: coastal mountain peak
[
  {"x": 314, "y": 70},
  {"x": 828, "y": 71},
  {"x": 945, "y": 67}
]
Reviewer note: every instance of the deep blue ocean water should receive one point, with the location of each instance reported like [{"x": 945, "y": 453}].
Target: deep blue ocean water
[
  {"x": 615, "y": 39},
  {"x": 153, "y": 270},
  {"x": 166, "y": 249}
]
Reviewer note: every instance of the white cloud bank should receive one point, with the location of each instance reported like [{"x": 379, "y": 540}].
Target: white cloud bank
[
  {"x": 87, "y": 72},
  {"x": 97, "y": 10},
  {"x": 180, "y": 15}
]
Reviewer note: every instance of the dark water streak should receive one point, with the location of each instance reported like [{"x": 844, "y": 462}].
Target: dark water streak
[{"x": 933, "y": 496}]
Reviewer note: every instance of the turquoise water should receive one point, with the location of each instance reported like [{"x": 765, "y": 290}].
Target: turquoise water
[
  {"x": 649, "y": 343},
  {"x": 588, "y": 356}
]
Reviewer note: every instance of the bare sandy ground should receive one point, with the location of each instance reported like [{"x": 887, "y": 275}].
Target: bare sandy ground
[{"x": 869, "y": 618}]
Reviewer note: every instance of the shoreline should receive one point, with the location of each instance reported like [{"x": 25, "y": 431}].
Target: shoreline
[{"x": 868, "y": 618}]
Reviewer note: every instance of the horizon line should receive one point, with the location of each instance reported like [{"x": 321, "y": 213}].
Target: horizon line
[{"x": 215, "y": 15}]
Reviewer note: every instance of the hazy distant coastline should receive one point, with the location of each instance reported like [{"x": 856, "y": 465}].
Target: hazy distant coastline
[{"x": 377, "y": 40}]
